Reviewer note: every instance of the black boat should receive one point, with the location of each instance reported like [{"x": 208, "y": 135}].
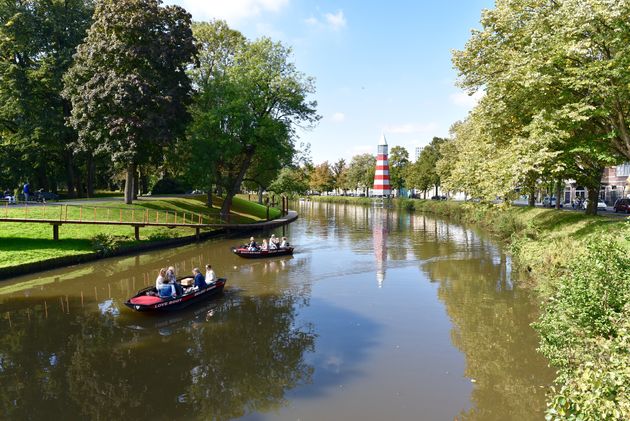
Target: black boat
[
  {"x": 243, "y": 251},
  {"x": 146, "y": 300}
]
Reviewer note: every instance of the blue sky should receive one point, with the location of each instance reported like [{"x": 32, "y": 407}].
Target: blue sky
[{"x": 379, "y": 66}]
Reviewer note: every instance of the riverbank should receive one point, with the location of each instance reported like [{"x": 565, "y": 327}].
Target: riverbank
[
  {"x": 580, "y": 266},
  {"x": 29, "y": 247}
]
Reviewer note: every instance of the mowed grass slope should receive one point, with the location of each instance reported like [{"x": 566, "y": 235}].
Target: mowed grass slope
[{"x": 31, "y": 242}]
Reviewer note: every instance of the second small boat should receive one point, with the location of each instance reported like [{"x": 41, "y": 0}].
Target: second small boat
[{"x": 259, "y": 254}]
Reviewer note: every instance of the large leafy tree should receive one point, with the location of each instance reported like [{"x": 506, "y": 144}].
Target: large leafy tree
[
  {"x": 423, "y": 173},
  {"x": 250, "y": 99},
  {"x": 361, "y": 171},
  {"x": 128, "y": 86},
  {"x": 322, "y": 178},
  {"x": 37, "y": 41},
  {"x": 398, "y": 163},
  {"x": 556, "y": 83}
]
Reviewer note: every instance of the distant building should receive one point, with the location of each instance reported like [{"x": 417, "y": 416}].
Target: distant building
[
  {"x": 614, "y": 185},
  {"x": 418, "y": 152}
]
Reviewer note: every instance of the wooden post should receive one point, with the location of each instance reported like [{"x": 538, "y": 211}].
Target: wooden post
[
  {"x": 133, "y": 215},
  {"x": 146, "y": 216},
  {"x": 55, "y": 232},
  {"x": 136, "y": 230},
  {"x": 197, "y": 233},
  {"x": 94, "y": 213},
  {"x": 66, "y": 212},
  {"x": 120, "y": 215},
  {"x": 267, "y": 213},
  {"x": 176, "y": 216},
  {"x": 81, "y": 213},
  {"x": 108, "y": 211},
  {"x": 60, "y": 213}
]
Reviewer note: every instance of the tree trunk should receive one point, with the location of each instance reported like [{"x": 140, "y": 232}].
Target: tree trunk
[
  {"x": 531, "y": 194},
  {"x": 70, "y": 174},
  {"x": 235, "y": 187},
  {"x": 144, "y": 180},
  {"x": 91, "y": 170},
  {"x": 209, "y": 195},
  {"x": 559, "y": 191},
  {"x": 593, "y": 197},
  {"x": 436, "y": 190},
  {"x": 260, "y": 195},
  {"x": 136, "y": 184},
  {"x": 129, "y": 184}
]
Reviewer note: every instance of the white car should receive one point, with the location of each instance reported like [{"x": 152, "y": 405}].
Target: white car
[{"x": 601, "y": 205}]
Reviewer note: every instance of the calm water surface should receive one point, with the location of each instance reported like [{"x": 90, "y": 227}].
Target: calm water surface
[{"x": 380, "y": 315}]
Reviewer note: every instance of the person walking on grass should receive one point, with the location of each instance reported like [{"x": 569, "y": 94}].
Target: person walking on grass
[{"x": 27, "y": 191}]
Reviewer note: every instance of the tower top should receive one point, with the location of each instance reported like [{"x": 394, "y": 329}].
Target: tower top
[{"x": 383, "y": 141}]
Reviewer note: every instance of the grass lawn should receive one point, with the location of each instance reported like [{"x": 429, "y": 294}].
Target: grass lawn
[{"x": 31, "y": 242}]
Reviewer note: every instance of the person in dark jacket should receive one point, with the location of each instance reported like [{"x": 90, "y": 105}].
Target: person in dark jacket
[
  {"x": 200, "y": 281},
  {"x": 27, "y": 191}
]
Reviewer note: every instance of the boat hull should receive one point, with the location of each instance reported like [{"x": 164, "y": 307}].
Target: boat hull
[
  {"x": 177, "y": 303},
  {"x": 260, "y": 254}
]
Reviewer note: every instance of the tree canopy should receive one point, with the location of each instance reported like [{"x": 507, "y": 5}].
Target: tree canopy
[{"x": 128, "y": 85}]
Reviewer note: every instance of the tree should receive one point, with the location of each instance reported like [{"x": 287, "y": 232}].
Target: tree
[
  {"x": 38, "y": 39},
  {"x": 290, "y": 181},
  {"x": 556, "y": 103},
  {"x": 322, "y": 178},
  {"x": 340, "y": 174},
  {"x": 361, "y": 171},
  {"x": 248, "y": 104},
  {"x": 398, "y": 163},
  {"x": 423, "y": 173},
  {"x": 128, "y": 86}
]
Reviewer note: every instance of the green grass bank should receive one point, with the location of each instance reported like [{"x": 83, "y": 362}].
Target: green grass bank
[
  {"x": 581, "y": 267},
  {"x": 23, "y": 243}
]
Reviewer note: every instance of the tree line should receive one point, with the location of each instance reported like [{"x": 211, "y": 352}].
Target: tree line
[{"x": 93, "y": 92}]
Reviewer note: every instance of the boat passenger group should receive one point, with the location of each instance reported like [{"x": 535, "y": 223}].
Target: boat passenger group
[
  {"x": 273, "y": 244},
  {"x": 167, "y": 286}
]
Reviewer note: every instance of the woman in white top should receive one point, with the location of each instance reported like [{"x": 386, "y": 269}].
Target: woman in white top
[
  {"x": 264, "y": 246},
  {"x": 210, "y": 275},
  {"x": 160, "y": 279}
]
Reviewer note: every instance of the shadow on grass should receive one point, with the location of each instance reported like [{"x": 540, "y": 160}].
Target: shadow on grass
[{"x": 21, "y": 244}]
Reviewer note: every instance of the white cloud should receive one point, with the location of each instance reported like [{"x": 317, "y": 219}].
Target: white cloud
[
  {"x": 336, "y": 21},
  {"x": 338, "y": 117},
  {"x": 462, "y": 99},
  {"x": 412, "y": 128},
  {"x": 333, "y": 21},
  {"x": 232, "y": 10}
]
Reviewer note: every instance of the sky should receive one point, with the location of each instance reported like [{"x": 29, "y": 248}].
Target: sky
[{"x": 379, "y": 66}]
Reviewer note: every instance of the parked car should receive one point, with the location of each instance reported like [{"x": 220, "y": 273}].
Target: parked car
[
  {"x": 601, "y": 205},
  {"x": 549, "y": 202},
  {"x": 622, "y": 205}
]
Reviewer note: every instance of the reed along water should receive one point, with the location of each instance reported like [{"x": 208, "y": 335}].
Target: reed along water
[{"x": 379, "y": 315}]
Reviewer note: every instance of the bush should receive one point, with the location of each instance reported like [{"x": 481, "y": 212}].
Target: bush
[
  {"x": 105, "y": 244},
  {"x": 586, "y": 334},
  {"x": 170, "y": 186}
]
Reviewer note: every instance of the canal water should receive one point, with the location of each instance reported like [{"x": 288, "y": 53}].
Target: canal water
[{"x": 379, "y": 315}]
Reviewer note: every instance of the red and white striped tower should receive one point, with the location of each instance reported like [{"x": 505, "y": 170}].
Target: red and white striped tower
[{"x": 381, "y": 177}]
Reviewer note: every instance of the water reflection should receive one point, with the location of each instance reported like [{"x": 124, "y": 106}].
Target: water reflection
[{"x": 308, "y": 336}]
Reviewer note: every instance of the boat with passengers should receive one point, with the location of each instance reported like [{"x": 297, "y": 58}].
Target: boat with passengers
[{"x": 147, "y": 299}]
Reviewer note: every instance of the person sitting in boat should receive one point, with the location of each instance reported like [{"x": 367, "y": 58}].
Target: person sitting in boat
[
  {"x": 170, "y": 274},
  {"x": 167, "y": 290},
  {"x": 160, "y": 279},
  {"x": 285, "y": 243},
  {"x": 210, "y": 275},
  {"x": 274, "y": 242},
  {"x": 264, "y": 246},
  {"x": 252, "y": 246},
  {"x": 200, "y": 281}
]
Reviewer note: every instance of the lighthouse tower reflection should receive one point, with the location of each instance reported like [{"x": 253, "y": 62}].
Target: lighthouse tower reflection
[{"x": 380, "y": 229}]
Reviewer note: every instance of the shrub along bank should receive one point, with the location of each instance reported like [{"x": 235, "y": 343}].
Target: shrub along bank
[{"x": 581, "y": 266}]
